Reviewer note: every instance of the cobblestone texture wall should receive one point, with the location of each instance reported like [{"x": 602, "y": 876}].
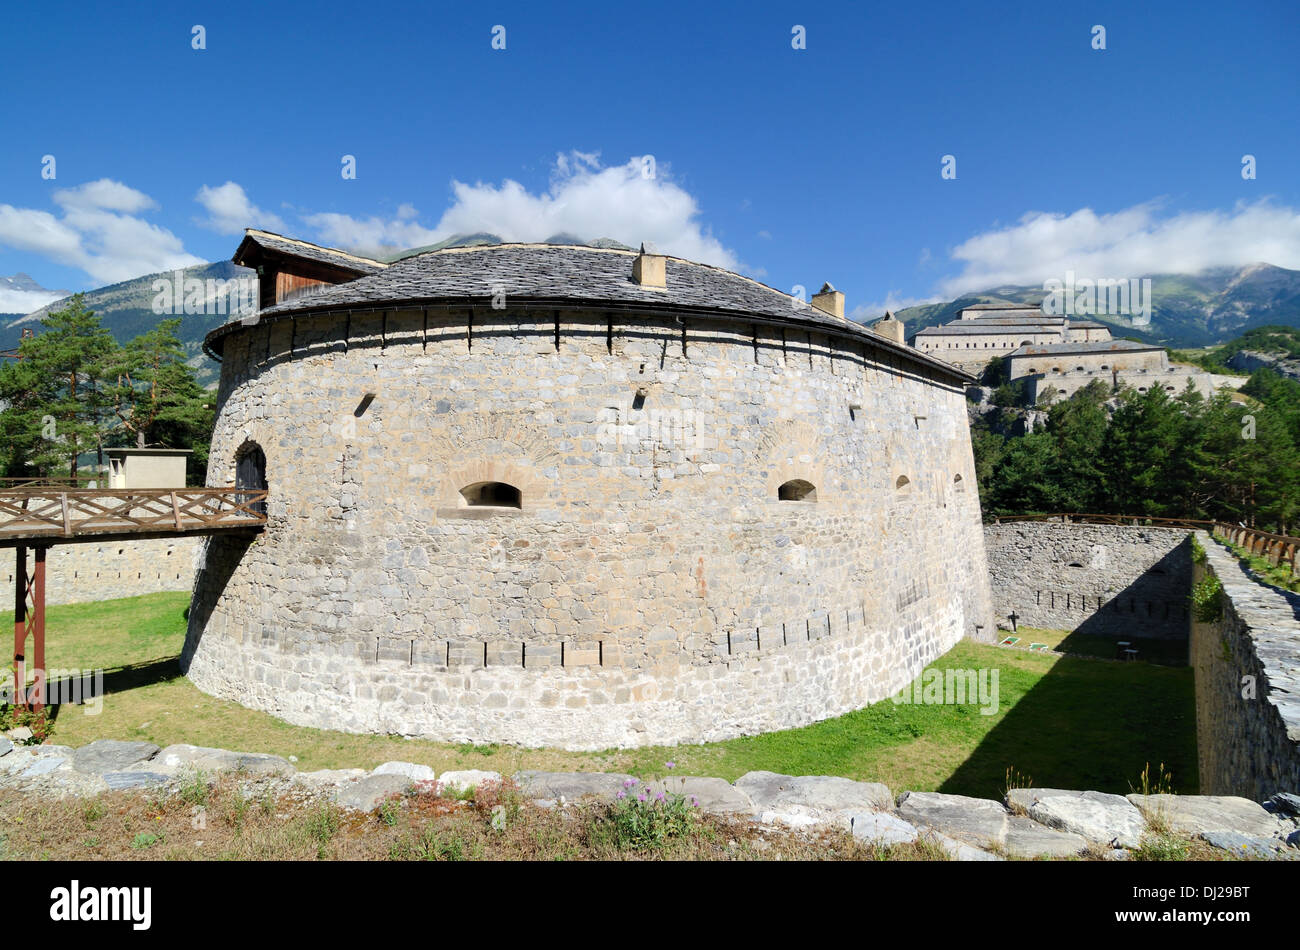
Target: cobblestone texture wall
[
  {"x": 1065, "y": 385},
  {"x": 651, "y": 589},
  {"x": 79, "y": 573},
  {"x": 1110, "y": 580},
  {"x": 1247, "y": 668}
]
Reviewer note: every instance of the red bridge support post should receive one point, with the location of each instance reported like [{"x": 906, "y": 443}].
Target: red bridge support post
[
  {"x": 20, "y": 622},
  {"x": 29, "y": 621}
]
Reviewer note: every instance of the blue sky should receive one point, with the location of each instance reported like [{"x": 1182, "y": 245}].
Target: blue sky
[{"x": 794, "y": 166}]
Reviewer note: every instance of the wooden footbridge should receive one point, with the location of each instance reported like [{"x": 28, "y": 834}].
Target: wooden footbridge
[{"x": 38, "y": 516}]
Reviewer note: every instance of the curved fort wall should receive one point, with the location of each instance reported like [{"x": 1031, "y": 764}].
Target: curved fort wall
[{"x": 650, "y": 588}]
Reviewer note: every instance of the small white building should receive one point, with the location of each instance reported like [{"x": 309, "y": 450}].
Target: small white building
[{"x": 146, "y": 468}]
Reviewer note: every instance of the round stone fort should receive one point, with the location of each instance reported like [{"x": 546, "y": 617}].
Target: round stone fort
[{"x": 576, "y": 497}]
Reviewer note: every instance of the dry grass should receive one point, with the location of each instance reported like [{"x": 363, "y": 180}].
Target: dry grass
[
  {"x": 234, "y": 819},
  {"x": 237, "y": 820}
]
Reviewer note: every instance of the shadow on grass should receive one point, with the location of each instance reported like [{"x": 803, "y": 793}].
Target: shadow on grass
[
  {"x": 118, "y": 680},
  {"x": 1166, "y": 651},
  {"x": 1089, "y": 725}
]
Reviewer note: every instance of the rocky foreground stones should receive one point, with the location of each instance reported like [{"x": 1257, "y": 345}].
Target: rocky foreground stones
[
  {"x": 112, "y": 755},
  {"x": 1031, "y": 822},
  {"x": 1097, "y": 816},
  {"x": 1198, "y": 814},
  {"x": 987, "y": 824}
]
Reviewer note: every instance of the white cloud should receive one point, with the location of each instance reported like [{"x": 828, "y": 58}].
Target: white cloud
[
  {"x": 230, "y": 211},
  {"x": 1129, "y": 243},
  {"x": 27, "y": 229},
  {"x": 371, "y": 235},
  {"x": 583, "y": 199},
  {"x": 25, "y": 301},
  {"x": 104, "y": 195},
  {"x": 98, "y": 233},
  {"x": 893, "y": 302}
]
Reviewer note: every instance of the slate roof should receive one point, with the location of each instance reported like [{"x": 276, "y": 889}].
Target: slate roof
[
  {"x": 985, "y": 328},
  {"x": 312, "y": 252},
  {"x": 1001, "y": 306},
  {"x": 568, "y": 276},
  {"x": 997, "y": 320},
  {"x": 1097, "y": 346}
]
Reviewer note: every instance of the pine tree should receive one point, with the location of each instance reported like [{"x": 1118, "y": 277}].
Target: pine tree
[
  {"x": 1077, "y": 427},
  {"x": 54, "y": 402},
  {"x": 154, "y": 396}
]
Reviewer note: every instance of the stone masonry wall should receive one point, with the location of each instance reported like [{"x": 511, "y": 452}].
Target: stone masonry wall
[
  {"x": 79, "y": 573},
  {"x": 651, "y": 589},
  {"x": 1247, "y": 669},
  {"x": 1174, "y": 380},
  {"x": 1112, "y": 580}
]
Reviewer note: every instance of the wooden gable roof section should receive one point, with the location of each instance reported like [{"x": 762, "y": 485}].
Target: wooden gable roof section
[{"x": 288, "y": 268}]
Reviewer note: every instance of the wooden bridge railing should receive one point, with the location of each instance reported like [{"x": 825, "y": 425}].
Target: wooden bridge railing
[
  {"x": 40, "y": 481},
  {"x": 1189, "y": 523},
  {"x": 1276, "y": 548},
  {"x": 36, "y": 514}
]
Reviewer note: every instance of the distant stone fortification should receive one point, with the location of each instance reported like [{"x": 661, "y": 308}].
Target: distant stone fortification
[{"x": 986, "y": 331}]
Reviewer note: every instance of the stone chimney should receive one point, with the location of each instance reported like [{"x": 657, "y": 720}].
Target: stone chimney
[
  {"x": 890, "y": 328},
  {"x": 648, "y": 268},
  {"x": 829, "y": 300}
]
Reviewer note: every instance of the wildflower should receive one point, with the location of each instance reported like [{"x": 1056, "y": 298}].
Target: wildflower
[
  {"x": 695, "y": 802},
  {"x": 659, "y": 797},
  {"x": 641, "y": 797},
  {"x": 670, "y": 765},
  {"x": 621, "y": 795}
]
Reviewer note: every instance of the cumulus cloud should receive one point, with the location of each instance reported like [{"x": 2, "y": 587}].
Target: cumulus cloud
[
  {"x": 371, "y": 235},
  {"x": 893, "y": 302},
  {"x": 230, "y": 211},
  {"x": 633, "y": 202},
  {"x": 99, "y": 231},
  {"x": 13, "y": 300},
  {"x": 1128, "y": 243},
  {"x": 104, "y": 195}
]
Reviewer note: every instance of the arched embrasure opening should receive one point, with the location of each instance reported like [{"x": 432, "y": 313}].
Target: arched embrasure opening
[
  {"x": 492, "y": 495},
  {"x": 797, "y": 490}
]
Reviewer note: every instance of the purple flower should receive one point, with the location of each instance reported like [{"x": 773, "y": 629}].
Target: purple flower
[
  {"x": 621, "y": 795},
  {"x": 695, "y": 802},
  {"x": 671, "y": 765},
  {"x": 629, "y": 783},
  {"x": 641, "y": 797},
  {"x": 659, "y": 797}
]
